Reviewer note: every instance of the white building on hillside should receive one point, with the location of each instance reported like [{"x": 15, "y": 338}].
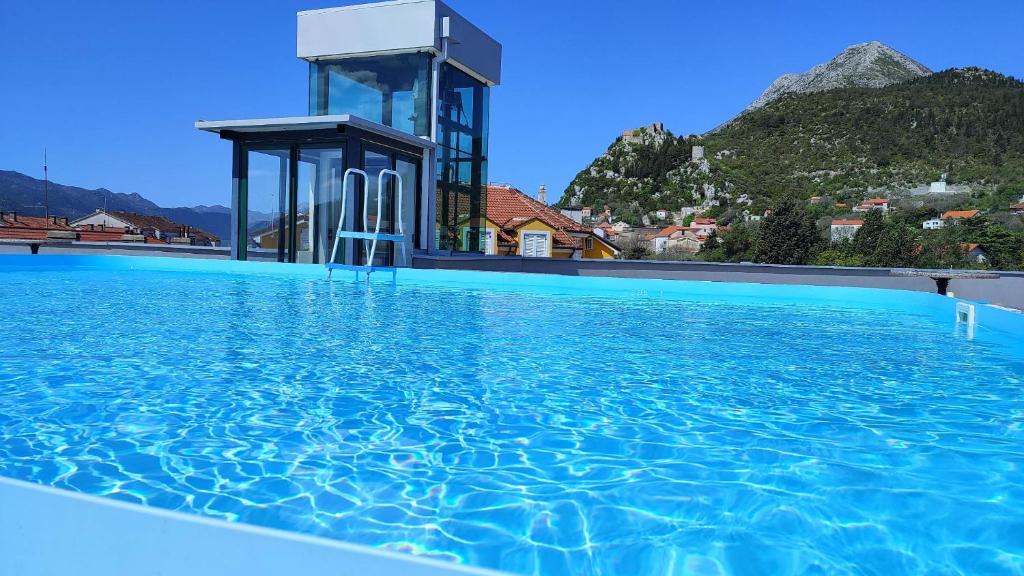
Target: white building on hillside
[{"x": 842, "y": 230}]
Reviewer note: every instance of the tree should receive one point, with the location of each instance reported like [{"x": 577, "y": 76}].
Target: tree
[
  {"x": 866, "y": 239},
  {"x": 787, "y": 235},
  {"x": 895, "y": 247},
  {"x": 636, "y": 248}
]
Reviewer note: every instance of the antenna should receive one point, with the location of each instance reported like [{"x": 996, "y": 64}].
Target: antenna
[{"x": 46, "y": 189}]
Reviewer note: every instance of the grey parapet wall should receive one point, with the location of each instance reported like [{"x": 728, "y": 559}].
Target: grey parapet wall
[{"x": 1007, "y": 290}]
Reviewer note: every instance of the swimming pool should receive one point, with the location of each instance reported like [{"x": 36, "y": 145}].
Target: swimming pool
[{"x": 538, "y": 425}]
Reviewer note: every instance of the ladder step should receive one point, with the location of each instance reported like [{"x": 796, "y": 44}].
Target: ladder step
[
  {"x": 361, "y": 268},
  {"x": 371, "y": 236}
]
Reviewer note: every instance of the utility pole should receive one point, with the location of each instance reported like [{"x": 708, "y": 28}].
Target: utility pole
[{"x": 46, "y": 189}]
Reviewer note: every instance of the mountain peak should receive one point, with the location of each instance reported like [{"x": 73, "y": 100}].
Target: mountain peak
[{"x": 867, "y": 65}]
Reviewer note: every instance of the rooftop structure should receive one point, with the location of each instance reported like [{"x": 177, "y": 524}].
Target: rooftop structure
[{"x": 401, "y": 85}]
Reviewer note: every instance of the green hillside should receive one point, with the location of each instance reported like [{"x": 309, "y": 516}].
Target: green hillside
[{"x": 846, "y": 143}]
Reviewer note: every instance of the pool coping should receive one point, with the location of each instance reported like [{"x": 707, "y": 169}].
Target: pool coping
[{"x": 47, "y": 530}]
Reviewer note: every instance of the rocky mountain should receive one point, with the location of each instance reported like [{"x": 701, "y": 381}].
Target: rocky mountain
[
  {"x": 24, "y": 194},
  {"x": 867, "y": 65},
  {"x": 845, "y": 143}
]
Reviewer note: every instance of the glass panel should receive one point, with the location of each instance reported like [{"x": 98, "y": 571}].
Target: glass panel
[
  {"x": 373, "y": 163},
  {"x": 462, "y": 161},
  {"x": 319, "y": 203},
  {"x": 393, "y": 90},
  {"x": 267, "y": 212},
  {"x": 407, "y": 168}
]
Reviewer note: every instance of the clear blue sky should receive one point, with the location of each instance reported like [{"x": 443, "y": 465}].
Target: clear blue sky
[{"x": 112, "y": 88}]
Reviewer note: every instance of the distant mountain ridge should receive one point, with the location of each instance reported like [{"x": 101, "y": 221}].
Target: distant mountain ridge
[
  {"x": 866, "y": 65},
  {"x": 24, "y": 194}
]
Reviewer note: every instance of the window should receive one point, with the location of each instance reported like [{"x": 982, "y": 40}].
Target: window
[
  {"x": 393, "y": 90},
  {"x": 267, "y": 212},
  {"x": 489, "y": 242},
  {"x": 589, "y": 244},
  {"x": 319, "y": 201},
  {"x": 461, "y": 161},
  {"x": 535, "y": 244}
]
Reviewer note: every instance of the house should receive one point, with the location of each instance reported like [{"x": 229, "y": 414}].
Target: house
[
  {"x": 873, "y": 204},
  {"x": 517, "y": 225},
  {"x": 661, "y": 238},
  {"x": 933, "y": 223},
  {"x": 574, "y": 212},
  {"x": 975, "y": 253},
  {"x": 14, "y": 226},
  {"x": 1017, "y": 209},
  {"x": 955, "y": 216},
  {"x": 704, "y": 225},
  {"x": 844, "y": 229},
  {"x": 156, "y": 227},
  {"x": 661, "y": 213},
  {"x": 399, "y": 91},
  {"x": 689, "y": 239},
  {"x": 604, "y": 230},
  {"x": 620, "y": 227}
]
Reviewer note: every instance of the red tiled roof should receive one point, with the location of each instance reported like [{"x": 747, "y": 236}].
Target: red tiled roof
[
  {"x": 17, "y": 227},
  {"x": 847, "y": 222},
  {"x": 509, "y": 208},
  {"x": 875, "y": 201},
  {"x": 1017, "y": 206},
  {"x": 669, "y": 231},
  {"x": 148, "y": 222},
  {"x": 959, "y": 214},
  {"x": 704, "y": 221}
]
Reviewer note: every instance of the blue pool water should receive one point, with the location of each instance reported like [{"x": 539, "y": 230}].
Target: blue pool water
[{"x": 580, "y": 427}]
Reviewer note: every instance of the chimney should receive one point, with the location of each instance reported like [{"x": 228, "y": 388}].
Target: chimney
[{"x": 542, "y": 194}]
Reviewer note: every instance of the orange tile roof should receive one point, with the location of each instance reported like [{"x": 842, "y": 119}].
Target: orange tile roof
[
  {"x": 704, "y": 221},
  {"x": 510, "y": 208},
  {"x": 875, "y": 201},
  {"x": 847, "y": 222},
  {"x": 669, "y": 231},
  {"x": 959, "y": 214}
]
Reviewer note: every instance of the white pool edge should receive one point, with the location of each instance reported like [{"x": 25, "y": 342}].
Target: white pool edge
[{"x": 46, "y": 530}]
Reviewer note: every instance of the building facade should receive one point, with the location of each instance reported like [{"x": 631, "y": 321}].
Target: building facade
[
  {"x": 517, "y": 225},
  {"x": 402, "y": 85},
  {"x": 843, "y": 230}
]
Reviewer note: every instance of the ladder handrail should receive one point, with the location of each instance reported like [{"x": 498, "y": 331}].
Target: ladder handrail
[
  {"x": 344, "y": 203},
  {"x": 380, "y": 199}
]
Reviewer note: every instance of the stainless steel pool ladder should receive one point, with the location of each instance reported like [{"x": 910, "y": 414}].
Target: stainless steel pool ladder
[{"x": 368, "y": 237}]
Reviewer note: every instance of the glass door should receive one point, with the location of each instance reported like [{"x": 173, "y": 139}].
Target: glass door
[
  {"x": 376, "y": 159},
  {"x": 267, "y": 213},
  {"x": 319, "y": 172}
]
